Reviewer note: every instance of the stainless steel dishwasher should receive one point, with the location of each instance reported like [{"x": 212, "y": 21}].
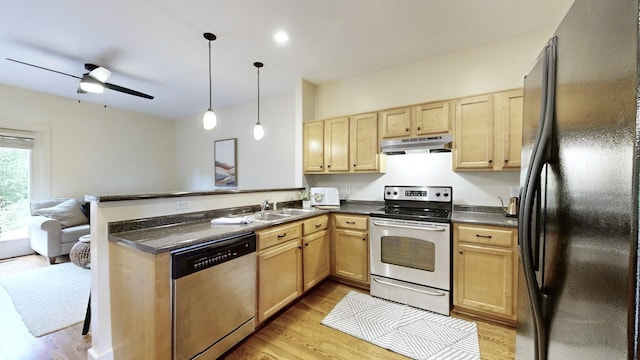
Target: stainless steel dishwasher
[{"x": 214, "y": 296}]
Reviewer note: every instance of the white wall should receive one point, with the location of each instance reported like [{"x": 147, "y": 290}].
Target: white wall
[
  {"x": 265, "y": 164},
  {"x": 93, "y": 149},
  {"x": 496, "y": 66}
]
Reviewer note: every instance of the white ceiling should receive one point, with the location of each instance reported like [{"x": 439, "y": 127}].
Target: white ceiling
[{"x": 157, "y": 47}]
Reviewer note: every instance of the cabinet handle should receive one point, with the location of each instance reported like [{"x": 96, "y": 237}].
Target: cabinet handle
[
  {"x": 318, "y": 225},
  {"x": 418, "y": 128},
  {"x": 490, "y": 161},
  {"x": 364, "y": 239},
  {"x": 306, "y": 244},
  {"x": 299, "y": 247},
  {"x": 460, "y": 252},
  {"x": 320, "y": 166},
  {"x": 483, "y": 236},
  {"x": 354, "y": 165},
  {"x": 329, "y": 166},
  {"x": 285, "y": 234},
  {"x": 406, "y": 130},
  {"x": 351, "y": 222}
]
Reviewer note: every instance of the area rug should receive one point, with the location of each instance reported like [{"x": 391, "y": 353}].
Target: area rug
[
  {"x": 50, "y": 298},
  {"x": 403, "y": 329}
]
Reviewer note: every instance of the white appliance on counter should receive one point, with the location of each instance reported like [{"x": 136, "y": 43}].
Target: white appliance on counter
[{"x": 325, "y": 197}]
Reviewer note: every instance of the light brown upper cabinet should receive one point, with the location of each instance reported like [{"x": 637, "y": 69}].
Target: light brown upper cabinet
[
  {"x": 364, "y": 153},
  {"x": 313, "y": 143},
  {"x": 420, "y": 120},
  {"x": 342, "y": 145},
  {"x": 509, "y": 114},
  {"x": 336, "y": 145},
  {"x": 488, "y": 132}
]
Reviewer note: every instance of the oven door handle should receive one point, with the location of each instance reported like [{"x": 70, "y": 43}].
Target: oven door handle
[
  {"x": 409, "y": 226},
  {"x": 432, "y": 293}
]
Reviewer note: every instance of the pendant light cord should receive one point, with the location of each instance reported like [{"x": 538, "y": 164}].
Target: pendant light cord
[
  {"x": 258, "y": 95},
  {"x": 210, "y": 96}
]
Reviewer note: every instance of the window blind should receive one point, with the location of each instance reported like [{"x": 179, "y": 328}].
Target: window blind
[{"x": 16, "y": 142}]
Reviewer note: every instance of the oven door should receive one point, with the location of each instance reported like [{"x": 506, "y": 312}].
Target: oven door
[{"x": 418, "y": 252}]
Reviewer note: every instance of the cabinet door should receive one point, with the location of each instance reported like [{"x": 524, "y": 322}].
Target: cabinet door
[
  {"x": 316, "y": 258},
  {"x": 484, "y": 279},
  {"x": 432, "y": 118},
  {"x": 313, "y": 145},
  {"x": 395, "y": 123},
  {"x": 336, "y": 145},
  {"x": 279, "y": 277},
  {"x": 363, "y": 134},
  {"x": 351, "y": 255},
  {"x": 509, "y": 122},
  {"x": 473, "y": 140}
]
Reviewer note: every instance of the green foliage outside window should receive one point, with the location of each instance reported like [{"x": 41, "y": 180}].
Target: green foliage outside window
[{"x": 14, "y": 188}]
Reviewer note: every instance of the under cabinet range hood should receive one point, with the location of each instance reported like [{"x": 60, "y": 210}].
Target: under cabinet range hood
[{"x": 416, "y": 145}]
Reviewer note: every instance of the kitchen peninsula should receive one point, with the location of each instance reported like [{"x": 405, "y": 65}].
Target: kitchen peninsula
[{"x": 116, "y": 218}]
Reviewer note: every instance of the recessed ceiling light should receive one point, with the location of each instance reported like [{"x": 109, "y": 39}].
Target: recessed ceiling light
[{"x": 281, "y": 37}]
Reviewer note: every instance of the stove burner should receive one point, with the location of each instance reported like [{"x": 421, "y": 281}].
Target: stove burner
[{"x": 424, "y": 203}]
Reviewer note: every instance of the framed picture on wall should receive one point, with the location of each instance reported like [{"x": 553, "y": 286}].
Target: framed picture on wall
[{"x": 225, "y": 152}]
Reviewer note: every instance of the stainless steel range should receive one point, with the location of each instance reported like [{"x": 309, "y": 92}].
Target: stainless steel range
[{"x": 411, "y": 247}]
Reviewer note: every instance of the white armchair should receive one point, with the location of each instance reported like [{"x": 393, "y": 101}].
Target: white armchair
[{"x": 56, "y": 225}]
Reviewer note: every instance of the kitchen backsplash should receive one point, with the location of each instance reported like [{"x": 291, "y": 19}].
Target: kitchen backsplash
[{"x": 469, "y": 188}]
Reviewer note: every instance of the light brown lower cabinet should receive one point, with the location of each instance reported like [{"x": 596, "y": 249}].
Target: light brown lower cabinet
[
  {"x": 351, "y": 248},
  {"x": 315, "y": 258},
  {"x": 485, "y": 271},
  {"x": 290, "y": 264},
  {"x": 279, "y": 277}
]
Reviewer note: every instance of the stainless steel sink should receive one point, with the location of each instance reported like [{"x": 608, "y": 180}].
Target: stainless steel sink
[
  {"x": 269, "y": 215},
  {"x": 294, "y": 211}
]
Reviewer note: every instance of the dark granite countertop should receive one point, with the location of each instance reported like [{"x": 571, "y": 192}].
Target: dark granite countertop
[
  {"x": 158, "y": 235},
  {"x": 173, "y": 194},
  {"x": 164, "y": 234},
  {"x": 485, "y": 215}
]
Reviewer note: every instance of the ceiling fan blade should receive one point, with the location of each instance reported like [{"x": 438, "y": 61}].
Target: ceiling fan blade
[
  {"x": 127, "y": 91},
  {"x": 43, "y": 68},
  {"x": 99, "y": 73}
]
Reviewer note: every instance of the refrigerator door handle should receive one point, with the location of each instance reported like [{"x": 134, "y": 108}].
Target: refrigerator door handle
[{"x": 529, "y": 193}]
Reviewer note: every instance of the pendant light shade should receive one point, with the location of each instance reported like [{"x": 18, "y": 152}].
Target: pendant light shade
[
  {"x": 258, "y": 131},
  {"x": 209, "y": 120}
]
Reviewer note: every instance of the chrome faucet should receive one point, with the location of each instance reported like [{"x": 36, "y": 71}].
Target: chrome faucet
[{"x": 265, "y": 205}]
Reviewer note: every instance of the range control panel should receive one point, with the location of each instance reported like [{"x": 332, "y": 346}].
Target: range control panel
[{"x": 418, "y": 193}]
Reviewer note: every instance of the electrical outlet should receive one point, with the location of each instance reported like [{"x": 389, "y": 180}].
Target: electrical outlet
[
  {"x": 183, "y": 204},
  {"x": 347, "y": 189}
]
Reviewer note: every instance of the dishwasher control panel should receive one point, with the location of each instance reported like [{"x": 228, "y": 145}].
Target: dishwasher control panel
[{"x": 203, "y": 256}]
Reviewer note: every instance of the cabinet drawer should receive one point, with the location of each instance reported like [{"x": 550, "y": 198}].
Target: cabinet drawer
[
  {"x": 352, "y": 222},
  {"x": 314, "y": 224},
  {"x": 278, "y": 234},
  {"x": 487, "y": 235}
]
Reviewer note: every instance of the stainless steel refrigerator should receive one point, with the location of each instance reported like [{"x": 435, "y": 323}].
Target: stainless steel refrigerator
[{"x": 578, "y": 221}]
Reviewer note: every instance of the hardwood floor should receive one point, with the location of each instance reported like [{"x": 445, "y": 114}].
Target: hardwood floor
[
  {"x": 17, "y": 343},
  {"x": 298, "y": 334},
  {"x": 294, "y": 334}
]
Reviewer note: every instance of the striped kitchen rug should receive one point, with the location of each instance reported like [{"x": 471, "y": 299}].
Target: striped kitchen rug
[{"x": 412, "y": 332}]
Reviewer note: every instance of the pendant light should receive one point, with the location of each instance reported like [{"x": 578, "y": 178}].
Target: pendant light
[
  {"x": 258, "y": 131},
  {"x": 209, "y": 120}
]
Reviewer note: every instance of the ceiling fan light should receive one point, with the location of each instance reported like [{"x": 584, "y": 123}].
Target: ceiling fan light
[
  {"x": 209, "y": 120},
  {"x": 258, "y": 131},
  {"x": 91, "y": 85}
]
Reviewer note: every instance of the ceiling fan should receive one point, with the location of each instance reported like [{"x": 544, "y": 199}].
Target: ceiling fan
[{"x": 94, "y": 81}]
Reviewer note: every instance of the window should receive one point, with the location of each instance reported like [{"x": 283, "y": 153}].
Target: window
[{"x": 15, "y": 185}]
